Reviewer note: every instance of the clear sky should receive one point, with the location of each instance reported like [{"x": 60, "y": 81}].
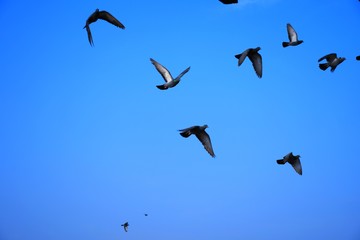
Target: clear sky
[{"x": 87, "y": 142}]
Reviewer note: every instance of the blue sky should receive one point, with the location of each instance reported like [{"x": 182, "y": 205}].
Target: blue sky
[{"x": 88, "y": 142}]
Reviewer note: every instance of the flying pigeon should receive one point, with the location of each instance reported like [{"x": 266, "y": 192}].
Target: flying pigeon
[
  {"x": 126, "y": 226},
  {"x": 293, "y": 37},
  {"x": 200, "y": 133},
  {"x": 255, "y": 58},
  {"x": 146, "y": 214},
  {"x": 228, "y": 1},
  {"x": 332, "y": 61},
  {"x": 104, "y": 15},
  {"x": 170, "y": 81},
  {"x": 358, "y": 57},
  {"x": 293, "y": 160}
]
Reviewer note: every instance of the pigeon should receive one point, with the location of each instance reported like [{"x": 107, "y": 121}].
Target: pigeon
[
  {"x": 200, "y": 133},
  {"x": 170, "y": 81},
  {"x": 228, "y": 1},
  {"x": 332, "y": 61},
  {"x": 293, "y": 37},
  {"x": 358, "y": 57},
  {"x": 255, "y": 58},
  {"x": 146, "y": 214},
  {"x": 104, "y": 15},
  {"x": 126, "y": 226},
  {"x": 293, "y": 160}
]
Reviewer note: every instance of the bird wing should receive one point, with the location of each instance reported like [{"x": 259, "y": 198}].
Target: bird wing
[
  {"x": 89, "y": 34},
  {"x": 104, "y": 15},
  {"x": 162, "y": 70},
  {"x": 183, "y": 73},
  {"x": 206, "y": 142},
  {"x": 242, "y": 56},
  {"x": 330, "y": 57},
  {"x": 187, "y": 131},
  {"x": 293, "y": 37},
  {"x": 296, "y": 164},
  {"x": 256, "y": 60}
]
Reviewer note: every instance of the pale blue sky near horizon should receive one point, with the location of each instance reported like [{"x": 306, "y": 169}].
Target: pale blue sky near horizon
[{"x": 87, "y": 142}]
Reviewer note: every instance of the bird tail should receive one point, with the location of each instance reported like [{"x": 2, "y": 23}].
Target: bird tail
[
  {"x": 161, "y": 87},
  {"x": 323, "y": 66},
  {"x": 280, "y": 161},
  {"x": 185, "y": 134},
  {"x": 285, "y": 44}
]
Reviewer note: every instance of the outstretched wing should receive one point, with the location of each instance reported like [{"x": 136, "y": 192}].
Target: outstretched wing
[
  {"x": 206, "y": 142},
  {"x": 183, "y": 73},
  {"x": 242, "y": 56},
  {"x": 330, "y": 57},
  {"x": 256, "y": 60},
  {"x": 296, "y": 164},
  {"x": 292, "y": 35},
  {"x": 89, "y": 35},
  {"x": 104, "y": 15},
  {"x": 162, "y": 70}
]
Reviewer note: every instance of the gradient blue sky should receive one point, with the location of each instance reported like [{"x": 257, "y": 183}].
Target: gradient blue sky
[{"x": 88, "y": 142}]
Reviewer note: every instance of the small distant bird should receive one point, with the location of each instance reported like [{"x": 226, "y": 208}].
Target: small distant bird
[
  {"x": 358, "y": 57},
  {"x": 293, "y": 160},
  {"x": 145, "y": 214},
  {"x": 104, "y": 15},
  {"x": 332, "y": 61},
  {"x": 200, "y": 133},
  {"x": 293, "y": 37},
  {"x": 126, "y": 226},
  {"x": 255, "y": 58},
  {"x": 170, "y": 81},
  {"x": 230, "y": 1}
]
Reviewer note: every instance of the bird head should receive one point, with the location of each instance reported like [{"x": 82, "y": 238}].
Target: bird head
[{"x": 205, "y": 126}]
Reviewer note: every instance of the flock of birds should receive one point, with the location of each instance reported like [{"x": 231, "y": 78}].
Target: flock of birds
[{"x": 332, "y": 61}]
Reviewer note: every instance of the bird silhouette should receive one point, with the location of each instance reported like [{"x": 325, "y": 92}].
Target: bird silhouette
[
  {"x": 293, "y": 160},
  {"x": 332, "y": 61},
  {"x": 169, "y": 80},
  {"x": 228, "y": 1},
  {"x": 200, "y": 133},
  {"x": 104, "y": 15},
  {"x": 293, "y": 37},
  {"x": 358, "y": 57},
  {"x": 126, "y": 226},
  {"x": 255, "y": 58}
]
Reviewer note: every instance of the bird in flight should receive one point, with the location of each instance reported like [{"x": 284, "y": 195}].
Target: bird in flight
[
  {"x": 255, "y": 58},
  {"x": 228, "y": 1},
  {"x": 293, "y": 37},
  {"x": 169, "y": 80},
  {"x": 126, "y": 226},
  {"x": 332, "y": 61},
  {"x": 200, "y": 133},
  {"x": 358, "y": 57},
  {"x": 104, "y": 15},
  {"x": 293, "y": 160}
]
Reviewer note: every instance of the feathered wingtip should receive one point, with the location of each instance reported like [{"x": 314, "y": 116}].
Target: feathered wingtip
[
  {"x": 238, "y": 55},
  {"x": 285, "y": 44},
  {"x": 323, "y": 66},
  {"x": 161, "y": 87}
]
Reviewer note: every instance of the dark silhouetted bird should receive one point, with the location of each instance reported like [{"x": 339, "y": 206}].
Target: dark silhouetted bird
[
  {"x": 104, "y": 15},
  {"x": 293, "y": 160},
  {"x": 255, "y": 58},
  {"x": 332, "y": 61},
  {"x": 358, "y": 57},
  {"x": 230, "y": 1},
  {"x": 145, "y": 214},
  {"x": 126, "y": 226},
  {"x": 200, "y": 133},
  {"x": 293, "y": 37},
  {"x": 169, "y": 80}
]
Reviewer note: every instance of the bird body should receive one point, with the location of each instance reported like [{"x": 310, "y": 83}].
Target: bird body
[
  {"x": 104, "y": 15},
  {"x": 228, "y": 1},
  {"x": 169, "y": 80},
  {"x": 255, "y": 58},
  {"x": 332, "y": 61},
  {"x": 200, "y": 133},
  {"x": 126, "y": 226},
  {"x": 294, "y": 161},
  {"x": 293, "y": 37}
]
